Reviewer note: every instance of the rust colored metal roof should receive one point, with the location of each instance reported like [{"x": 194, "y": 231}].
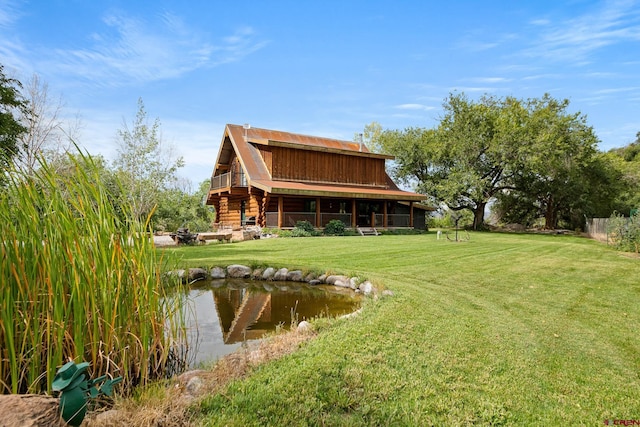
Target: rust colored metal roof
[
  {"x": 243, "y": 142},
  {"x": 258, "y": 135}
]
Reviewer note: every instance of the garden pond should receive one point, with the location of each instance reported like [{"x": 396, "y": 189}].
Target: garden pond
[{"x": 221, "y": 315}]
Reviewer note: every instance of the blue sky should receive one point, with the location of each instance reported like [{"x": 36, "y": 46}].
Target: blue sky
[{"x": 323, "y": 68}]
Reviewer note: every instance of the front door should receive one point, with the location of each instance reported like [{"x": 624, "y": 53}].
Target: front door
[{"x": 366, "y": 214}]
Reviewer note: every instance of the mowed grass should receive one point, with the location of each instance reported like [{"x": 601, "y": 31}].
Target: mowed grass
[{"x": 501, "y": 330}]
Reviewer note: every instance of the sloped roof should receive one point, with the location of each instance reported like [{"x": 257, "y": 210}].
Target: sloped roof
[{"x": 244, "y": 141}]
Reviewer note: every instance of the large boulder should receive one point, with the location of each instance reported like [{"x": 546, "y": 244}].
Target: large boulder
[
  {"x": 30, "y": 410},
  {"x": 268, "y": 273},
  {"x": 218, "y": 273},
  {"x": 281, "y": 275},
  {"x": 238, "y": 271},
  {"x": 257, "y": 274},
  {"x": 366, "y": 287},
  {"x": 295, "y": 276},
  {"x": 332, "y": 279},
  {"x": 340, "y": 281},
  {"x": 197, "y": 274}
]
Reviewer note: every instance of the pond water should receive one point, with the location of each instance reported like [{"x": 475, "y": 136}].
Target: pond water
[{"x": 222, "y": 314}]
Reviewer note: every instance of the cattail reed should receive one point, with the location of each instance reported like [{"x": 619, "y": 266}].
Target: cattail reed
[{"x": 80, "y": 281}]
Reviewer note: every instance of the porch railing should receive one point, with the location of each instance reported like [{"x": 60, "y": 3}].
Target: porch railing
[
  {"x": 344, "y": 217},
  {"x": 289, "y": 219},
  {"x": 397, "y": 220}
]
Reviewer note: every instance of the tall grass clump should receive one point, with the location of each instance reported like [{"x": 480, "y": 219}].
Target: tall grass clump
[{"x": 80, "y": 281}]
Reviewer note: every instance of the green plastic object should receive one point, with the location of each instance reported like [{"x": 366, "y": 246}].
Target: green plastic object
[{"x": 75, "y": 390}]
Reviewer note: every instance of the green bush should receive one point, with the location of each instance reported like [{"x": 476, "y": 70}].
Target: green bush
[
  {"x": 624, "y": 233},
  {"x": 306, "y": 226},
  {"x": 335, "y": 227},
  {"x": 299, "y": 232}
]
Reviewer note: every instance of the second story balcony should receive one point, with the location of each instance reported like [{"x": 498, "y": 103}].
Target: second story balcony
[{"x": 228, "y": 180}]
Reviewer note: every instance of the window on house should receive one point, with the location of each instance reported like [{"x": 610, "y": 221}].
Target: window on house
[{"x": 309, "y": 205}]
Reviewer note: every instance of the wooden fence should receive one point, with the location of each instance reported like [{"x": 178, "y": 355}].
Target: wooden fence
[{"x": 596, "y": 228}]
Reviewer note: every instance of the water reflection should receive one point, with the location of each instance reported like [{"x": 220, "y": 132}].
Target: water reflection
[{"x": 222, "y": 314}]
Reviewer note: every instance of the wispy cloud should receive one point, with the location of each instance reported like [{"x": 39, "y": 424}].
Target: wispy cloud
[
  {"x": 132, "y": 50},
  {"x": 12, "y": 50},
  {"x": 574, "y": 40},
  {"x": 489, "y": 80},
  {"x": 477, "y": 40},
  {"x": 414, "y": 107},
  {"x": 473, "y": 89},
  {"x": 8, "y": 13}
]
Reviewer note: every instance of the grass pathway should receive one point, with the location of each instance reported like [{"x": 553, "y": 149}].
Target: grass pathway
[{"x": 501, "y": 330}]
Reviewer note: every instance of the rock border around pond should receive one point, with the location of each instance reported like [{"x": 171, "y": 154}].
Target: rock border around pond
[{"x": 239, "y": 271}]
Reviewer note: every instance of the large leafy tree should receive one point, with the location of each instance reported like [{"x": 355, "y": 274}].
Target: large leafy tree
[
  {"x": 482, "y": 151},
  {"x": 145, "y": 166},
  {"x": 12, "y": 105},
  {"x": 468, "y": 159},
  {"x": 532, "y": 155},
  {"x": 419, "y": 159},
  {"x": 559, "y": 169}
]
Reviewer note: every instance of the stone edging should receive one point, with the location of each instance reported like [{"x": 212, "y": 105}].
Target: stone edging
[{"x": 238, "y": 271}]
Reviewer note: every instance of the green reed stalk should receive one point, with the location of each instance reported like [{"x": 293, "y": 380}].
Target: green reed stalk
[{"x": 80, "y": 281}]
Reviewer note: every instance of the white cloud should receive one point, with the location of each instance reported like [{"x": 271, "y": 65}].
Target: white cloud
[
  {"x": 9, "y": 13},
  {"x": 420, "y": 107},
  {"x": 540, "y": 22},
  {"x": 489, "y": 79},
  {"x": 574, "y": 40},
  {"x": 133, "y": 50},
  {"x": 472, "y": 89}
]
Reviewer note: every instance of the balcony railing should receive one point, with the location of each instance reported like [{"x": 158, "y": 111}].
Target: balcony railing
[
  {"x": 227, "y": 180},
  {"x": 221, "y": 181}
]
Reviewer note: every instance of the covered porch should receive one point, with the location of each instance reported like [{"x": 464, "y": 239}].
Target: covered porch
[{"x": 285, "y": 212}]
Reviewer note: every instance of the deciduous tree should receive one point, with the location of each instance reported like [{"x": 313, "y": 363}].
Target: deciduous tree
[
  {"x": 558, "y": 169},
  {"x": 146, "y": 166},
  {"x": 627, "y": 160},
  {"x": 12, "y": 104},
  {"x": 47, "y": 133}
]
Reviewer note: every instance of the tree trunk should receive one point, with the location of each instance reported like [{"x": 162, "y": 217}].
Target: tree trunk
[
  {"x": 478, "y": 216},
  {"x": 550, "y": 215},
  {"x": 30, "y": 410}
]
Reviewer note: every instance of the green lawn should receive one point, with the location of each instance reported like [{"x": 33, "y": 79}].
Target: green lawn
[{"x": 503, "y": 329}]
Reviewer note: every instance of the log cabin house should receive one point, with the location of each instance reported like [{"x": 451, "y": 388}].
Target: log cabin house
[{"x": 274, "y": 179}]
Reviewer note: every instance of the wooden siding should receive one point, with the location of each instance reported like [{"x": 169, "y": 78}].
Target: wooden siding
[
  {"x": 267, "y": 157},
  {"x": 315, "y": 166}
]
